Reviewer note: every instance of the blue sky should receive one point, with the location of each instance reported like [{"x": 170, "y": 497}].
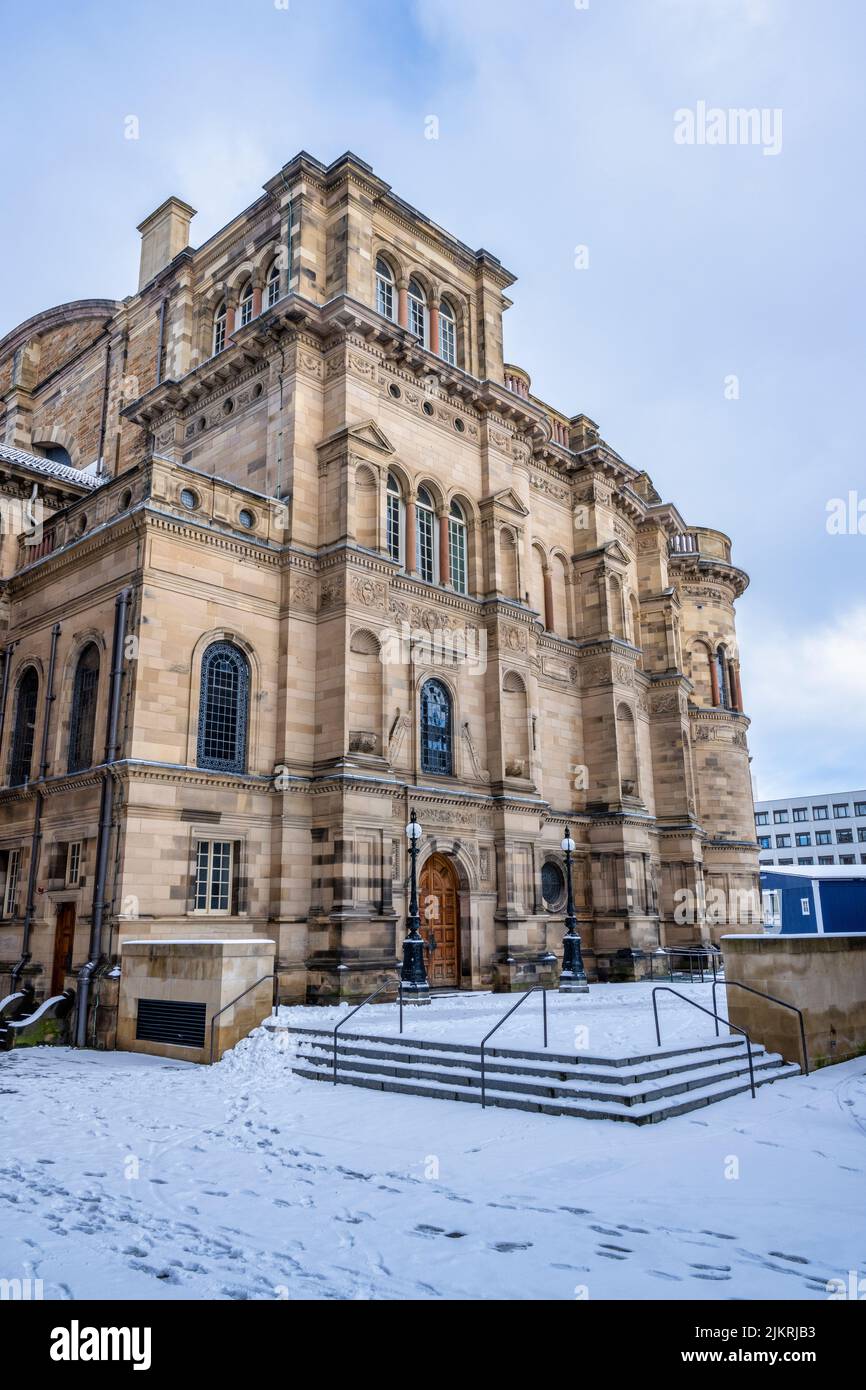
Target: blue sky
[{"x": 556, "y": 130}]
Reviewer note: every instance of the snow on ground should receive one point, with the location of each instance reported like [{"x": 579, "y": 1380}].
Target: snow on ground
[
  {"x": 125, "y": 1176},
  {"x": 611, "y": 1021}
]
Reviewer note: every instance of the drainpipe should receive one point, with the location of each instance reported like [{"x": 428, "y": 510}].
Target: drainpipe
[
  {"x": 106, "y": 810},
  {"x": 36, "y": 837}
]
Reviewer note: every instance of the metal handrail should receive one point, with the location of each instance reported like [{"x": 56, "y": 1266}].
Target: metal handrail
[
  {"x": 667, "y": 990},
  {"x": 522, "y": 1000},
  {"x": 703, "y": 956},
  {"x": 773, "y": 1000},
  {"x": 386, "y": 984},
  {"x": 274, "y": 975}
]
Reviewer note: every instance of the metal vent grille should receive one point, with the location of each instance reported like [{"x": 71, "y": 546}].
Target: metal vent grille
[{"x": 171, "y": 1021}]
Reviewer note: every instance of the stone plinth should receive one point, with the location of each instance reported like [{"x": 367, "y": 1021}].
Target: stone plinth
[
  {"x": 825, "y": 976},
  {"x": 195, "y": 973}
]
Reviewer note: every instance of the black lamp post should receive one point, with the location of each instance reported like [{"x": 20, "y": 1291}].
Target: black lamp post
[
  {"x": 416, "y": 990},
  {"x": 572, "y": 978}
]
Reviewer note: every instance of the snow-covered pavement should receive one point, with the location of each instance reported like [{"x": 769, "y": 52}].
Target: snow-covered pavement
[{"x": 125, "y": 1176}]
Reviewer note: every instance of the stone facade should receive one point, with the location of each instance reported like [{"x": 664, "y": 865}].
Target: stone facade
[
  {"x": 285, "y": 467},
  {"x": 822, "y": 976}
]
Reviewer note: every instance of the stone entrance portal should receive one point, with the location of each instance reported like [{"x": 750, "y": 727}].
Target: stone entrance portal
[{"x": 439, "y": 905}]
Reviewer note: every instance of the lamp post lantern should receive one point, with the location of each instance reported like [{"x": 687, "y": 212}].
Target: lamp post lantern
[
  {"x": 413, "y": 974},
  {"x": 572, "y": 977}
]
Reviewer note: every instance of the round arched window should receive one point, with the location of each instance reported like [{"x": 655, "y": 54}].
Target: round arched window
[
  {"x": 552, "y": 885},
  {"x": 189, "y": 499}
]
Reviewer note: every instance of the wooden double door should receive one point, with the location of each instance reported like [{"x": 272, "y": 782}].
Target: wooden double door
[{"x": 439, "y": 907}]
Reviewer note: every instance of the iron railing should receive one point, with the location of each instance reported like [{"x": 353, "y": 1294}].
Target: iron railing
[
  {"x": 773, "y": 1000},
  {"x": 666, "y": 989},
  {"x": 704, "y": 957},
  {"x": 275, "y": 975},
  {"x": 522, "y": 1000},
  {"x": 386, "y": 984}
]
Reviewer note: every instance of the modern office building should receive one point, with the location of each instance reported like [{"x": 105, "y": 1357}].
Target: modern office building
[{"x": 822, "y": 830}]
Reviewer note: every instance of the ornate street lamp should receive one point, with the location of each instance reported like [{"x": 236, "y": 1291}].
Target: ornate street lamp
[
  {"x": 416, "y": 990},
  {"x": 572, "y": 978}
]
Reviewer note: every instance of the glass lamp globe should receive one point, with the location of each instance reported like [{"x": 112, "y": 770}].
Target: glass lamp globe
[
  {"x": 413, "y": 830},
  {"x": 568, "y": 845}
]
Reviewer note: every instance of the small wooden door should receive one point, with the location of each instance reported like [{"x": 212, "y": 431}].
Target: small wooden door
[
  {"x": 64, "y": 939},
  {"x": 439, "y": 906}
]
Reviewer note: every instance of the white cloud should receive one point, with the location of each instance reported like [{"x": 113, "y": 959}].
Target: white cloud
[{"x": 804, "y": 691}]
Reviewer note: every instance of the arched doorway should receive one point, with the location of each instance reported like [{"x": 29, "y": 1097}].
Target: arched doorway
[{"x": 439, "y": 906}]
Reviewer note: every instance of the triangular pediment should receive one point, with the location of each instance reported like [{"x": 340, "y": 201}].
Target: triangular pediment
[
  {"x": 507, "y": 499},
  {"x": 366, "y": 433},
  {"x": 614, "y": 551}
]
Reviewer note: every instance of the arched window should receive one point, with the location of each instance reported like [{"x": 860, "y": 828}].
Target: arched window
[
  {"x": 457, "y": 548},
  {"x": 447, "y": 333},
  {"x": 394, "y": 519},
  {"x": 385, "y": 289},
  {"x": 417, "y": 311},
  {"x": 83, "y": 719},
  {"x": 435, "y": 728},
  {"x": 219, "y": 329},
  {"x": 722, "y": 678},
  {"x": 272, "y": 290},
  {"x": 246, "y": 304},
  {"x": 24, "y": 728},
  {"x": 425, "y": 531},
  {"x": 224, "y": 708},
  {"x": 56, "y": 453}
]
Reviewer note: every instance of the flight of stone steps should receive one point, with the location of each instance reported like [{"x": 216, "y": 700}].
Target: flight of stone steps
[{"x": 641, "y": 1089}]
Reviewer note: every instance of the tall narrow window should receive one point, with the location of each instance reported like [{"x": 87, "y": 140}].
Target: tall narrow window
[
  {"x": 213, "y": 876},
  {"x": 417, "y": 311},
  {"x": 393, "y": 519},
  {"x": 722, "y": 677},
  {"x": 435, "y": 728},
  {"x": 425, "y": 527},
  {"x": 457, "y": 548},
  {"x": 246, "y": 304},
  {"x": 83, "y": 720},
  {"x": 272, "y": 290},
  {"x": 219, "y": 329},
  {"x": 224, "y": 708},
  {"x": 10, "y": 893},
  {"x": 24, "y": 728},
  {"x": 384, "y": 289},
  {"x": 447, "y": 333}
]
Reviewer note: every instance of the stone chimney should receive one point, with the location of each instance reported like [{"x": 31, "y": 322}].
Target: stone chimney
[{"x": 163, "y": 234}]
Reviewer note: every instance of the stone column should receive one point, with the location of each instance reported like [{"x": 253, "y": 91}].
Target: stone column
[
  {"x": 548, "y": 601},
  {"x": 714, "y": 681},
  {"x": 433, "y": 324},
  {"x": 737, "y": 686},
  {"x": 411, "y": 558},
  {"x": 403, "y": 303},
  {"x": 444, "y": 550}
]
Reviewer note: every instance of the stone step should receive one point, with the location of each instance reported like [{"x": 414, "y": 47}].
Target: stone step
[
  {"x": 530, "y": 1064},
  {"x": 531, "y": 1054},
  {"x": 544, "y": 1084},
  {"x": 644, "y": 1112}
]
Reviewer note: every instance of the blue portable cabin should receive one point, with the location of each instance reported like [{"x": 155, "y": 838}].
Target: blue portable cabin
[{"x": 814, "y": 898}]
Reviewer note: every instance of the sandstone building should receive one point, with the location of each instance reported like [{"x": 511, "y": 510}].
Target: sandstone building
[{"x": 289, "y": 549}]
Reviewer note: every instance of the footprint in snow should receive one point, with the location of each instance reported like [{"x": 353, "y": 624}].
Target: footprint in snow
[
  {"x": 795, "y": 1259},
  {"x": 507, "y": 1246}
]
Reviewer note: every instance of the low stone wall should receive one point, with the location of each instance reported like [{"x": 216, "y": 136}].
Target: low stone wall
[
  {"x": 825, "y": 976},
  {"x": 209, "y": 973}
]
